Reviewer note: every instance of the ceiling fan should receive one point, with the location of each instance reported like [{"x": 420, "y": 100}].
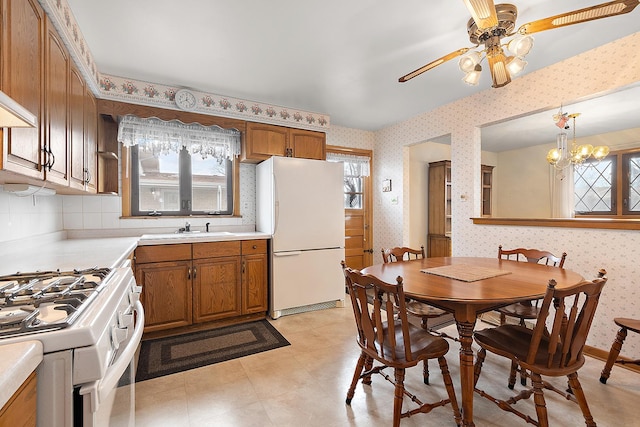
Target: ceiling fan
[{"x": 490, "y": 23}]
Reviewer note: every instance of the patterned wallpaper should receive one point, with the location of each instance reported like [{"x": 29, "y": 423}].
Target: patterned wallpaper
[{"x": 588, "y": 250}]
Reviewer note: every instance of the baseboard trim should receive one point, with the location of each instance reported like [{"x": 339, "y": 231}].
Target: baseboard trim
[{"x": 603, "y": 355}]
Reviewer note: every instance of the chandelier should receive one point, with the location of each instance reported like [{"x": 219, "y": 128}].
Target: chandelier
[
  {"x": 563, "y": 156},
  {"x": 502, "y": 64}
]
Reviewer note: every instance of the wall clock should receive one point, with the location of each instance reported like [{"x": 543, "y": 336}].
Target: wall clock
[{"x": 185, "y": 100}]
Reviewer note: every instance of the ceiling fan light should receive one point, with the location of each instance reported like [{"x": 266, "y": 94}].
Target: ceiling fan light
[
  {"x": 473, "y": 77},
  {"x": 498, "y": 66},
  {"x": 520, "y": 46},
  {"x": 515, "y": 65},
  {"x": 468, "y": 62}
]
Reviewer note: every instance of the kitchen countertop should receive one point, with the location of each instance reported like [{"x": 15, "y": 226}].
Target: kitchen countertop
[
  {"x": 17, "y": 362},
  {"x": 49, "y": 253}
]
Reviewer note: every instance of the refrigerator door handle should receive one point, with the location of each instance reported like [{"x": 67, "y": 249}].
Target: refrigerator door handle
[
  {"x": 291, "y": 253},
  {"x": 276, "y": 205}
]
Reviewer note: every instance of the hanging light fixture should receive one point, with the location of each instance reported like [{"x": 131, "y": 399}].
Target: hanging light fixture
[
  {"x": 563, "y": 156},
  {"x": 505, "y": 60}
]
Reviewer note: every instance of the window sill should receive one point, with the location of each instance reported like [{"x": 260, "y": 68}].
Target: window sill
[{"x": 604, "y": 223}]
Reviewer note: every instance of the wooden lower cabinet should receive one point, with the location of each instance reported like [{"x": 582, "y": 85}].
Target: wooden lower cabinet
[
  {"x": 166, "y": 294},
  {"x": 201, "y": 282},
  {"x": 438, "y": 245},
  {"x": 20, "y": 410},
  {"x": 216, "y": 289}
]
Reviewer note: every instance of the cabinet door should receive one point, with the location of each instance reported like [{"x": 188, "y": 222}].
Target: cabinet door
[
  {"x": 216, "y": 288},
  {"x": 307, "y": 144},
  {"x": 166, "y": 294},
  {"x": 438, "y": 246},
  {"x": 263, "y": 141},
  {"x": 22, "y": 74},
  {"x": 76, "y": 130},
  {"x": 254, "y": 283},
  {"x": 56, "y": 90},
  {"x": 90, "y": 141},
  {"x": 20, "y": 409}
]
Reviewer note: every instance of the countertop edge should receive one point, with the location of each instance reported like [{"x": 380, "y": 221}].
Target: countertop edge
[{"x": 17, "y": 362}]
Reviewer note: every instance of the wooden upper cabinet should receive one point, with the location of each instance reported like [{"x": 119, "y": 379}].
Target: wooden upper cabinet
[
  {"x": 22, "y": 78},
  {"x": 263, "y": 141},
  {"x": 76, "y": 105},
  {"x": 307, "y": 144},
  {"x": 56, "y": 121},
  {"x": 90, "y": 141}
]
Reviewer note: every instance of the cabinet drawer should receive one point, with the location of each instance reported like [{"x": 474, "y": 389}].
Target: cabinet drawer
[
  {"x": 216, "y": 249},
  {"x": 254, "y": 247},
  {"x": 181, "y": 252}
]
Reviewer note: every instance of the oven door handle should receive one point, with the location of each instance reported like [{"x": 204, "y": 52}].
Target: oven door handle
[{"x": 101, "y": 388}]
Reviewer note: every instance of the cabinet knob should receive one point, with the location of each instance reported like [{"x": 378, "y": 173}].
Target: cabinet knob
[{"x": 255, "y": 246}]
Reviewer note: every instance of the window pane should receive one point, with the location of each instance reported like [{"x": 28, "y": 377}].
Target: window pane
[
  {"x": 634, "y": 183},
  {"x": 353, "y": 201},
  {"x": 209, "y": 184},
  {"x": 593, "y": 187},
  {"x": 353, "y": 192},
  {"x": 158, "y": 181}
]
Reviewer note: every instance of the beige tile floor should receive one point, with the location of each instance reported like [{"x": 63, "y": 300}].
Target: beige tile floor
[{"x": 305, "y": 384}]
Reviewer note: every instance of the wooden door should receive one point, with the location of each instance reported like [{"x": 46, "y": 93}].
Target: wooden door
[
  {"x": 216, "y": 288},
  {"x": 166, "y": 294},
  {"x": 358, "y": 225},
  {"x": 23, "y": 80}
]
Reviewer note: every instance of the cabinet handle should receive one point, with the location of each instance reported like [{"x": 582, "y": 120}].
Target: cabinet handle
[
  {"x": 255, "y": 246},
  {"x": 53, "y": 161},
  {"x": 195, "y": 272},
  {"x": 189, "y": 273},
  {"x": 243, "y": 264}
]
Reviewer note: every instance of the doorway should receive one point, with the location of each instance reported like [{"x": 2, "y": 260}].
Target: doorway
[{"x": 358, "y": 239}]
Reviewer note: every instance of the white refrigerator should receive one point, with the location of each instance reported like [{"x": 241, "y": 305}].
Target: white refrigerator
[{"x": 300, "y": 203}]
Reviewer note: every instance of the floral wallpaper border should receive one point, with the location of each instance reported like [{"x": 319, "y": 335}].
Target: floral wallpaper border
[{"x": 146, "y": 93}]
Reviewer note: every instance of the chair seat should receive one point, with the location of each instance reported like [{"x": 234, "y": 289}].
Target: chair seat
[
  {"x": 514, "y": 341},
  {"x": 420, "y": 309},
  {"x": 630, "y": 324},
  {"x": 520, "y": 310},
  {"x": 423, "y": 345}
]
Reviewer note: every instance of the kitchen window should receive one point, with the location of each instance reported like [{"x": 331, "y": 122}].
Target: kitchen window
[
  {"x": 610, "y": 187},
  {"x": 179, "y": 169},
  {"x": 356, "y": 168}
]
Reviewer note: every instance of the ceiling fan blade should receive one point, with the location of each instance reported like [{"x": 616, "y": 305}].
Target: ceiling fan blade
[
  {"x": 483, "y": 13},
  {"x": 604, "y": 10},
  {"x": 433, "y": 64}
]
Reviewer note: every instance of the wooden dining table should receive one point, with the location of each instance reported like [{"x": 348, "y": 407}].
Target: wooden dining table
[{"x": 480, "y": 285}]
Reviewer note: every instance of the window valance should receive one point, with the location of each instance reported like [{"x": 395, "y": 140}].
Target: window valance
[
  {"x": 160, "y": 136},
  {"x": 354, "y": 165}
]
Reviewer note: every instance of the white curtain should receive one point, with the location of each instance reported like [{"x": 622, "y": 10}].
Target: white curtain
[
  {"x": 160, "y": 136},
  {"x": 353, "y": 165},
  {"x": 562, "y": 192}
]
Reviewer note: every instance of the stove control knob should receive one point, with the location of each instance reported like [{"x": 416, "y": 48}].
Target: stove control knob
[
  {"x": 118, "y": 335},
  {"x": 125, "y": 319}
]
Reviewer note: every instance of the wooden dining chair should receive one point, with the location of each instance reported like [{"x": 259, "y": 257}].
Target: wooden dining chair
[
  {"x": 543, "y": 352},
  {"x": 526, "y": 310},
  {"x": 625, "y": 325},
  {"x": 416, "y": 308},
  {"x": 393, "y": 342}
]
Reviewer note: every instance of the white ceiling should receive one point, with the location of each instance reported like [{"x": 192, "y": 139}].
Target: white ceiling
[{"x": 337, "y": 57}]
